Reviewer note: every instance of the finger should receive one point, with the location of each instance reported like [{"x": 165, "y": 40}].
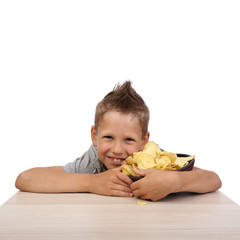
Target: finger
[
  {"x": 119, "y": 168},
  {"x": 118, "y": 193},
  {"x": 123, "y": 177},
  {"x": 137, "y": 184},
  {"x": 148, "y": 195},
  {"x": 141, "y": 194},
  {"x": 121, "y": 188},
  {"x": 118, "y": 184},
  {"x": 141, "y": 172},
  {"x": 138, "y": 194},
  {"x": 118, "y": 181},
  {"x": 124, "y": 163}
]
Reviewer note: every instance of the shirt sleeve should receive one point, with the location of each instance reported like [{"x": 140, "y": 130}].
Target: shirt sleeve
[{"x": 87, "y": 163}]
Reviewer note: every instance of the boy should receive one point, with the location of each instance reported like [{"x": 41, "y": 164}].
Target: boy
[{"x": 121, "y": 128}]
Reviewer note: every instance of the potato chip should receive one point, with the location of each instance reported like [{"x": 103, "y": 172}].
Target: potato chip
[
  {"x": 146, "y": 160},
  {"x": 171, "y": 155},
  {"x": 183, "y": 161},
  {"x": 152, "y": 149},
  {"x": 141, "y": 203},
  {"x": 128, "y": 170},
  {"x": 153, "y": 157},
  {"x": 136, "y": 156},
  {"x": 162, "y": 161},
  {"x": 130, "y": 160},
  {"x": 140, "y": 166},
  {"x": 171, "y": 167}
]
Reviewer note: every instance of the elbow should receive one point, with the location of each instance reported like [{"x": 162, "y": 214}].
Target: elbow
[
  {"x": 21, "y": 181},
  {"x": 217, "y": 182}
]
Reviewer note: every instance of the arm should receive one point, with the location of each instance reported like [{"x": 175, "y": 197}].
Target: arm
[
  {"x": 157, "y": 184},
  {"x": 55, "y": 180},
  {"x": 199, "y": 181},
  {"x": 51, "y": 180}
]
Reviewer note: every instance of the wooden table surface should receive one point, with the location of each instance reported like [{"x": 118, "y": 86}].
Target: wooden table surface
[{"x": 89, "y": 216}]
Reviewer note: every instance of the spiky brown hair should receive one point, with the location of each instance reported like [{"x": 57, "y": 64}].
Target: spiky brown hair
[{"x": 124, "y": 99}]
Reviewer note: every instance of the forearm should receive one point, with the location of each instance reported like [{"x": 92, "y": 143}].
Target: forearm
[
  {"x": 52, "y": 180},
  {"x": 198, "y": 180}
]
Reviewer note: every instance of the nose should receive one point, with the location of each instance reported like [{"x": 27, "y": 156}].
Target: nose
[{"x": 117, "y": 148}]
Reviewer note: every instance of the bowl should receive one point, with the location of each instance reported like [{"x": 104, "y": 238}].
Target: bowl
[
  {"x": 190, "y": 164},
  {"x": 188, "y": 167}
]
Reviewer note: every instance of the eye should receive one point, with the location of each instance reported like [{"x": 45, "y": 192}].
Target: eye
[
  {"x": 130, "y": 140},
  {"x": 108, "y": 137}
]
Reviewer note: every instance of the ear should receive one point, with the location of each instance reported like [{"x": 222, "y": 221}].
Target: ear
[
  {"x": 94, "y": 135},
  {"x": 145, "y": 139}
]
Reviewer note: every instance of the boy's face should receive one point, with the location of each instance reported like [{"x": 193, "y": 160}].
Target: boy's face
[{"x": 118, "y": 136}]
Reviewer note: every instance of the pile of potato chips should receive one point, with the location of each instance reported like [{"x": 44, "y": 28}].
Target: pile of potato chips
[{"x": 153, "y": 157}]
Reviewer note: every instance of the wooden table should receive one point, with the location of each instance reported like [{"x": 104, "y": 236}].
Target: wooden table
[{"x": 89, "y": 216}]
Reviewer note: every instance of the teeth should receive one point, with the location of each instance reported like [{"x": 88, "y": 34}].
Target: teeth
[{"x": 117, "y": 160}]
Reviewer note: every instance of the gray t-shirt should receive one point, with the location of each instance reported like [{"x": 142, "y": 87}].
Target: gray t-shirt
[{"x": 87, "y": 163}]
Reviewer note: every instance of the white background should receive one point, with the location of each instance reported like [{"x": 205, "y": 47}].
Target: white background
[{"x": 58, "y": 59}]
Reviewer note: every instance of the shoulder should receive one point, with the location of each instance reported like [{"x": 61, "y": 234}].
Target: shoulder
[{"x": 87, "y": 163}]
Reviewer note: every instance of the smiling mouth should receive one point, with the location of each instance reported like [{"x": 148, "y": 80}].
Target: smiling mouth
[{"x": 116, "y": 161}]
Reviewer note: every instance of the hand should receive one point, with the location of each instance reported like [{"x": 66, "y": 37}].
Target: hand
[
  {"x": 112, "y": 182},
  {"x": 155, "y": 184}
]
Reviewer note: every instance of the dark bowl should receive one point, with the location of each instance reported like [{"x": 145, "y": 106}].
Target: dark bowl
[
  {"x": 190, "y": 164},
  {"x": 188, "y": 167}
]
